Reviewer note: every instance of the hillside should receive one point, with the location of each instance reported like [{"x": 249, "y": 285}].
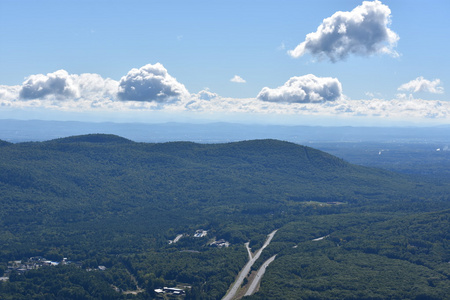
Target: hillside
[
  {"x": 362, "y": 257},
  {"x": 103, "y": 199},
  {"x": 4, "y": 143},
  {"x": 94, "y": 138},
  {"x": 96, "y": 175}
]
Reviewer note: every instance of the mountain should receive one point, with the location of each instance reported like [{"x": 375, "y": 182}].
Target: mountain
[
  {"x": 105, "y": 200},
  {"x": 258, "y": 169},
  {"x": 4, "y": 143},
  {"x": 94, "y": 138}
]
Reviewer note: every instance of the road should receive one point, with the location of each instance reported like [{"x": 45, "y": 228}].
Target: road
[
  {"x": 251, "y": 290},
  {"x": 246, "y": 269},
  {"x": 248, "y": 250},
  {"x": 177, "y": 238},
  {"x": 321, "y": 238}
]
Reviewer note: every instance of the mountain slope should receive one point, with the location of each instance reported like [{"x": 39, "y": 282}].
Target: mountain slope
[
  {"x": 4, "y": 143},
  {"x": 93, "y": 138},
  {"x": 103, "y": 161},
  {"x": 100, "y": 181}
]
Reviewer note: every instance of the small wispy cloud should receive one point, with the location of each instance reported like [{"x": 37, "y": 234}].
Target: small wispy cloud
[
  {"x": 205, "y": 94},
  {"x": 237, "y": 79},
  {"x": 370, "y": 94},
  {"x": 421, "y": 84}
]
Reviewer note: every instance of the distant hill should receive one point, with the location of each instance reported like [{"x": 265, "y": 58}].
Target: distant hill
[
  {"x": 4, "y": 143},
  {"x": 94, "y": 138},
  {"x": 410, "y": 150}
]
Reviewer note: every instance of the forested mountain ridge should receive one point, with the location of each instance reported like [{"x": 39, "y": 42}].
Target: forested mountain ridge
[
  {"x": 98, "y": 161},
  {"x": 4, "y": 143},
  {"x": 93, "y": 138},
  {"x": 103, "y": 199}
]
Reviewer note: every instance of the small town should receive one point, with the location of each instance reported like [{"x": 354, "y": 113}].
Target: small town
[{"x": 36, "y": 262}]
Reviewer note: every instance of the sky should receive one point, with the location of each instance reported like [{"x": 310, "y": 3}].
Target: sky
[{"x": 322, "y": 62}]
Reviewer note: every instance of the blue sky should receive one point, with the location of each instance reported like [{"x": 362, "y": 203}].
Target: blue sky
[{"x": 391, "y": 70}]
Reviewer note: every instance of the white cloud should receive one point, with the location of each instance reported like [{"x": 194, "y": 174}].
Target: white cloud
[
  {"x": 421, "y": 84},
  {"x": 205, "y": 94},
  {"x": 282, "y": 46},
  {"x": 151, "y": 83},
  {"x": 376, "y": 109},
  {"x": 61, "y": 85},
  {"x": 237, "y": 79},
  {"x": 8, "y": 93},
  {"x": 94, "y": 86},
  {"x": 402, "y": 96},
  {"x": 362, "y": 31},
  {"x": 298, "y": 98},
  {"x": 304, "y": 89},
  {"x": 219, "y": 108}
]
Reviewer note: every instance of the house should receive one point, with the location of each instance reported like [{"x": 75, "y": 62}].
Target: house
[
  {"x": 50, "y": 263},
  {"x": 220, "y": 243},
  {"x": 173, "y": 291},
  {"x": 168, "y": 290},
  {"x": 200, "y": 233}
]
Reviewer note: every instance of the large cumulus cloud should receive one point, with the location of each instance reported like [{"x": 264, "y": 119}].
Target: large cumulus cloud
[
  {"x": 421, "y": 84},
  {"x": 362, "y": 31},
  {"x": 58, "y": 83},
  {"x": 151, "y": 83},
  {"x": 62, "y": 86},
  {"x": 304, "y": 89}
]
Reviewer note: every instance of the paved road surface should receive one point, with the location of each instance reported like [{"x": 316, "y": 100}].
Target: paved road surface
[
  {"x": 246, "y": 269},
  {"x": 251, "y": 290},
  {"x": 177, "y": 238},
  {"x": 248, "y": 250}
]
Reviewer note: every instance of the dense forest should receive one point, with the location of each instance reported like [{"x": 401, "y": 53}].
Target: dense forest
[{"x": 105, "y": 213}]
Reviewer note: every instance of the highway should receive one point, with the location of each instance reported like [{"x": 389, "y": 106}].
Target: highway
[{"x": 246, "y": 269}]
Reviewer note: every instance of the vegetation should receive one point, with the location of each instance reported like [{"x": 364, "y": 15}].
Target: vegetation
[
  {"x": 103, "y": 200},
  {"x": 363, "y": 257}
]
